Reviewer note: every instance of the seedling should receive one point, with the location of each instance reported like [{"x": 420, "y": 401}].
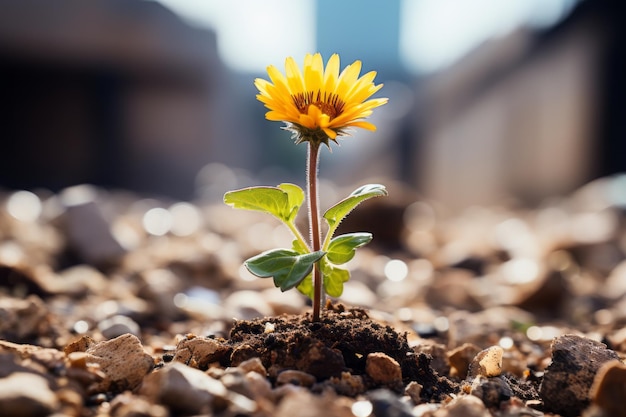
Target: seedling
[{"x": 318, "y": 105}]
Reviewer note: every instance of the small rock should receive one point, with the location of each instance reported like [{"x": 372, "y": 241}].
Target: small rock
[
  {"x": 118, "y": 325},
  {"x": 88, "y": 231},
  {"x": 49, "y": 358},
  {"x": 247, "y": 305},
  {"x": 199, "y": 352},
  {"x": 259, "y": 386},
  {"x": 492, "y": 391},
  {"x": 300, "y": 402},
  {"x": 426, "y": 409},
  {"x": 78, "y": 280},
  {"x": 414, "y": 391},
  {"x": 184, "y": 390},
  {"x": 122, "y": 360},
  {"x": 129, "y": 405},
  {"x": 618, "y": 340},
  {"x": 461, "y": 357},
  {"x": 383, "y": 369},
  {"x": 234, "y": 379},
  {"x": 26, "y": 394},
  {"x": 568, "y": 378},
  {"x": 609, "y": 389},
  {"x": 253, "y": 365},
  {"x": 292, "y": 376},
  {"x": 487, "y": 363},
  {"x": 22, "y": 319},
  {"x": 386, "y": 403},
  {"x": 466, "y": 406}
]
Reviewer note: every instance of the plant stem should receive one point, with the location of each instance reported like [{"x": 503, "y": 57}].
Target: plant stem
[{"x": 314, "y": 223}]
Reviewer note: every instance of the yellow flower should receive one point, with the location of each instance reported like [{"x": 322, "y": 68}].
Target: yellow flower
[{"x": 319, "y": 103}]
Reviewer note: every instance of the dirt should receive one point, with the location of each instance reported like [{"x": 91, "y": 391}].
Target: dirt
[{"x": 340, "y": 342}]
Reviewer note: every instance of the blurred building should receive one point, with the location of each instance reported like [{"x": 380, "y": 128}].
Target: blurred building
[
  {"x": 529, "y": 115},
  {"x": 123, "y": 93},
  {"x": 119, "y": 93}
]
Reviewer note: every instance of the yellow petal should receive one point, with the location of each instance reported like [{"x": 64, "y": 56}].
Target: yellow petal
[
  {"x": 314, "y": 73},
  {"x": 363, "y": 125},
  {"x": 332, "y": 73},
  {"x": 294, "y": 76},
  {"x": 330, "y": 133}
]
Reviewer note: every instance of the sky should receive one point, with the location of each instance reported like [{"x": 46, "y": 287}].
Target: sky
[{"x": 433, "y": 34}]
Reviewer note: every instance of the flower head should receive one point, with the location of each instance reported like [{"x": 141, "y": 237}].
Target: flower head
[{"x": 319, "y": 103}]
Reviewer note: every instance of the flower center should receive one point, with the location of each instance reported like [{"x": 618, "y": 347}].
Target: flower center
[{"x": 329, "y": 104}]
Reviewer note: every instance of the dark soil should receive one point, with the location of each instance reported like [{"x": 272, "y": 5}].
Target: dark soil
[{"x": 339, "y": 342}]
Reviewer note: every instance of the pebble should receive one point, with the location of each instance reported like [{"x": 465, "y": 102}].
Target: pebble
[
  {"x": 386, "y": 403},
  {"x": 568, "y": 379},
  {"x": 292, "y": 376},
  {"x": 48, "y": 357},
  {"x": 199, "y": 352},
  {"x": 383, "y": 369},
  {"x": 492, "y": 391},
  {"x": 183, "y": 390},
  {"x": 128, "y": 405},
  {"x": 300, "y": 402},
  {"x": 414, "y": 390},
  {"x": 461, "y": 357},
  {"x": 86, "y": 227},
  {"x": 247, "y": 305},
  {"x": 487, "y": 363},
  {"x": 253, "y": 365},
  {"x": 25, "y": 394},
  {"x": 118, "y": 325},
  {"x": 122, "y": 360},
  {"x": 465, "y": 406},
  {"x": 21, "y": 318},
  {"x": 79, "y": 280},
  {"x": 609, "y": 389},
  {"x": 258, "y": 385}
]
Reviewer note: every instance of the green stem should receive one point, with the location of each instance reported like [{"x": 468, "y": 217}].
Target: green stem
[
  {"x": 297, "y": 234},
  {"x": 314, "y": 222}
]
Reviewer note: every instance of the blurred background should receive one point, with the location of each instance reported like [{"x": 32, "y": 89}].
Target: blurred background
[{"x": 489, "y": 99}]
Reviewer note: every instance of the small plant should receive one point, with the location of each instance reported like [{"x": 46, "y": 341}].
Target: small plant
[{"x": 317, "y": 105}]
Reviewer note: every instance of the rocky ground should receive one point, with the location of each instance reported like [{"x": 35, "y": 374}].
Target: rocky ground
[{"x": 112, "y": 304}]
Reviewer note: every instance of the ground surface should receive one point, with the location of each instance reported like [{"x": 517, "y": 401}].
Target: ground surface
[{"x": 116, "y": 305}]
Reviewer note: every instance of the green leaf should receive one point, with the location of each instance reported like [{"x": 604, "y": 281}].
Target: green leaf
[
  {"x": 286, "y": 266},
  {"x": 334, "y": 277},
  {"x": 306, "y": 286},
  {"x": 299, "y": 247},
  {"x": 283, "y": 201},
  {"x": 295, "y": 198},
  {"x": 339, "y": 211},
  {"x": 342, "y": 248}
]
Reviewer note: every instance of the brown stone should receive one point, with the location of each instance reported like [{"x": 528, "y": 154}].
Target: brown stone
[
  {"x": 292, "y": 376},
  {"x": 383, "y": 369},
  {"x": 487, "y": 363},
  {"x": 568, "y": 378},
  {"x": 609, "y": 389},
  {"x": 461, "y": 357},
  {"x": 122, "y": 360},
  {"x": 24, "y": 394},
  {"x": 199, "y": 352}
]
